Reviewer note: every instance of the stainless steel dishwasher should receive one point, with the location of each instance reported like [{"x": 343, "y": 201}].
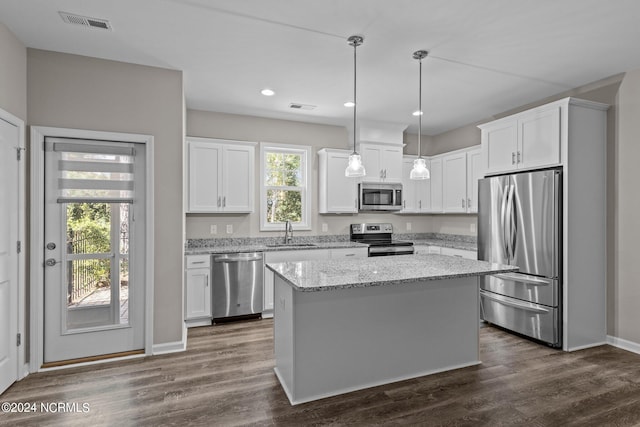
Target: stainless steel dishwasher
[{"x": 237, "y": 284}]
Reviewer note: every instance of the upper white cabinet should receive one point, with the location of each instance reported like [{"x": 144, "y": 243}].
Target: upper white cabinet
[
  {"x": 382, "y": 162},
  {"x": 336, "y": 192},
  {"x": 454, "y": 180},
  {"x": 416, "y": 194},
  {"x": 475, "y": 171},
  {"x": 526, "y": 140},
  {"x": 220, "y": 175}
]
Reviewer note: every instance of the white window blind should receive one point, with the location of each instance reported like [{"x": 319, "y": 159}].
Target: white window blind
[{"x": 93, "y": 171}]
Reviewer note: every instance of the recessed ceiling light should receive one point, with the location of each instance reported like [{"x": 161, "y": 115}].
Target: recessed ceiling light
[
  {"x": 349, "y": 104},
  {"x": 267, "y": 92},
  {"x": 418, "y": 113}
]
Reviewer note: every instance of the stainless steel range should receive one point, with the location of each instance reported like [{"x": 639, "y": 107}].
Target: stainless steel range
[{"x": 379, "y": 237}]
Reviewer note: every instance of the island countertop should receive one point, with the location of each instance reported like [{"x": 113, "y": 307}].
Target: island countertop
[{"x": 326, "y": 275}]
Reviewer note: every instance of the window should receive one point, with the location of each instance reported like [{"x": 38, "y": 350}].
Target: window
[{"x": 284, "y": 186}]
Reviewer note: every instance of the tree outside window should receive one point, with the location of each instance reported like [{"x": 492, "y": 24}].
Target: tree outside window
[{"x": 284, "y": 186}]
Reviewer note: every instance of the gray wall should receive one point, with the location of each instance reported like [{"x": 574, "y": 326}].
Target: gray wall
[
  {"x": 624, "y": 291},
  {"x": 87, "y": 93},
  {"x": 246, "y": 128},
  {"x": 13, "y": 74}
]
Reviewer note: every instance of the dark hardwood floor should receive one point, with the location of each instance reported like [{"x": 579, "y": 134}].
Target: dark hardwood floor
[{"x": 226, "y": 378}]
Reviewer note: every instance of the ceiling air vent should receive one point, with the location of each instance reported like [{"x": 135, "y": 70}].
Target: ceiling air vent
[
  {"x": 298, "y": 106},
  {"x": 101, "y": 24}
]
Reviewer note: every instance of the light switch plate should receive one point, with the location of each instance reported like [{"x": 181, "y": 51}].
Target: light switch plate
[
  {"x": 408, "y": 226},
  {"x": 229, "y": 228},
  {"x": 472, "y": 227},
  {"x": 213, "y": 229},
  {"x": 325, "y": 227}
]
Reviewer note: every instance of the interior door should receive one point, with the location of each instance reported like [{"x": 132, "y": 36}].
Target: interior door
[
  {"x": 93, "y": 281},
  {"x": 8, "y": 254}
]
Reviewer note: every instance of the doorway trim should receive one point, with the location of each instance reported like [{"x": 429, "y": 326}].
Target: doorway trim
[
  {"x": 23, "y": 367},
  {"x": 38, "y": 135}
]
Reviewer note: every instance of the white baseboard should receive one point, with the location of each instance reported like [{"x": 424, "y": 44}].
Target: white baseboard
[
  {"x": 172, "y": 347},
  {"x": 631, "y": 346}
]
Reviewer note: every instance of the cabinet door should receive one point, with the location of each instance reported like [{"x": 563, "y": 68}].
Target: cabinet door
[
  {"x": 500, "y": 143},
  {"x": 238, "y": 177},
  {"x": 350, "y": 253},
  {"x": 198, "y": 290},
  {"x": 409, "y": 187},
  {"x": 436, "y": 185},
  {"x": 475, "y": 171},
  {"x": 205, "y": 160},
  {"x": 539, "y": 139},
  {"x": 391, "y": 163},
  {"x": 459, "y": 253},
  {"x": 371, "y": 160},
  {"x": 454, "y": 171},
  {"x": 337, "y": 193}
]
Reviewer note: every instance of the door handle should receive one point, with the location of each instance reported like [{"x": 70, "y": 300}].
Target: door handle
[
  {"x": 520, "y": 306},
  {"x": 51, "y": 262},
  {"x": 518, "y": 157},
  {"x": 224, "y": 201},
  {"x": 513, "y": 157}
]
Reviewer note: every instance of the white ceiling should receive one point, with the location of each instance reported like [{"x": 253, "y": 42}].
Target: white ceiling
[{"x": 485, "y": 57}]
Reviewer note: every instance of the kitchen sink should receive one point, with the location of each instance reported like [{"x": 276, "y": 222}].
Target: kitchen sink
[{"x": 293, "y": 245}]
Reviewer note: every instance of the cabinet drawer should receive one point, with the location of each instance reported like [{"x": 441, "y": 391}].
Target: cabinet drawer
[
  {"x": 349, "y": 253},
  {"x": 459, "y": 253},
  {"x": 533, "y": 320},
  {"x": 198, "y": 261}
]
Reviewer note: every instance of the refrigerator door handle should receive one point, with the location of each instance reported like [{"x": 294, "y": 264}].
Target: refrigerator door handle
[
  {"x": 503, "y": 221},
  {"x": 509, "y": 235},
  {"x": 530, "y": 280}
]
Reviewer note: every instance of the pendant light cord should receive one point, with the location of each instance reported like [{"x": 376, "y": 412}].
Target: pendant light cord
[
  {"x": 420, "y": 111},
  {"x": 355, "y": 104}
]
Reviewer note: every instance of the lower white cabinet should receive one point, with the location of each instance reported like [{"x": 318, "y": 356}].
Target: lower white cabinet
[
  {"x": 459, "y": 253},
  {"x": 198, "y": 290},
  {"x": 348, "y": 253}
]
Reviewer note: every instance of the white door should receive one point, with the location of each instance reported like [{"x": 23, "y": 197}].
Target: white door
[
  {"x": 94, "y": 240},
  {"x": 8, "y": 254}
]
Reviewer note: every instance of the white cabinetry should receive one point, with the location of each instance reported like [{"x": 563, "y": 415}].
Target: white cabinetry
[
  {"x": 475, "y": 171},
  {"x": 198, "y": 290},
  {"x": 459, "y": 253},
  {"x": 454, "y": 181},
  {"x": 416, "y": 194},
  {"x": 526, "y": 140},
  {"x": 382, "y": 162},
  {"x": 220, "y": 175},
  {"x": 436, "y": 205},
  {"x": 348, "y": 253},
  {"x": 336, "y": 192}
]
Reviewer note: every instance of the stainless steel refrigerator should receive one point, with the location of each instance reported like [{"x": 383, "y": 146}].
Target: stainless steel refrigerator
[{"x": 519, "y": 223}]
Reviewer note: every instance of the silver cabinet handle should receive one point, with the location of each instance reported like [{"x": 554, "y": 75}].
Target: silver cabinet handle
[
  {"x": 519, "y": 157},
  {"x": 350, "y": 255},
  {"x": 463, "y": 203},
  {"x": 404, "y": 204},
  {"x": 420, "y": 204},
  {"x": 513, "y": 157},
  {"x": 224, "y": 201},
  {"x": 468, "y": 203},
  {"x": 218, "y": 201},
  {"x": 198, "y": 262}
]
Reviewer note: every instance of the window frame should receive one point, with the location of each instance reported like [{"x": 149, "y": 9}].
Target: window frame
[{"x": 305, "y": 152}]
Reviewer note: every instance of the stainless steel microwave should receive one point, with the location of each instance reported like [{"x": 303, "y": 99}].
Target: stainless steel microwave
[{"x": 379, "y": 196}]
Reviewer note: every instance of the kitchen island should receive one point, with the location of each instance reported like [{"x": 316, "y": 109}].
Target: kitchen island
[{"x": 345, "y": 325}]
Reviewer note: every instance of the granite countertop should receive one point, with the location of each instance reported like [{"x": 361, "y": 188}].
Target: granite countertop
[
  {"x": 226, "y": 249},
  {"x": 353, "y": 273}
]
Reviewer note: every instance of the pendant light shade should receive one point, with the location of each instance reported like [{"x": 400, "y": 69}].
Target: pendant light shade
[
  {"x": 420, "y": 170},
  {"x": 355, "y": 167}
]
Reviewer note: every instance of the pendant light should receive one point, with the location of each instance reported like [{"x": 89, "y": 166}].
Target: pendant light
[
  {"x": 420, "y": 170},
  {"x": 355, "y": 167}
]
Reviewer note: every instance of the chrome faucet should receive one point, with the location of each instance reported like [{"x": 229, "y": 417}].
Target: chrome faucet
[{"x": 288, "y": 232}]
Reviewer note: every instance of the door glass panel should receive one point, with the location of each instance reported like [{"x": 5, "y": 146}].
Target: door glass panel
[{"x": 97, "y": 260}]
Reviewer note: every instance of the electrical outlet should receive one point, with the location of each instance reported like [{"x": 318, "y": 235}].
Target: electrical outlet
[
  {"x": 325, "y": 227},
  {"x": 229, "y": 228},
  {"x": 472, "y": 227},
  {"x": 408, "y": 226},
  {"x": 213, "y": 229}
]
